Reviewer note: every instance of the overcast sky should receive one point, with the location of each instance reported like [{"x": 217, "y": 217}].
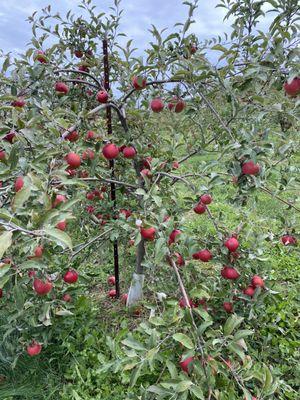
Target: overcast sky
[{"x": 137, "y": 18}]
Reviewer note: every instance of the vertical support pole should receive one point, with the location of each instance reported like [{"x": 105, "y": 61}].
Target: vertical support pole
[{"x": 111, "y": 163}]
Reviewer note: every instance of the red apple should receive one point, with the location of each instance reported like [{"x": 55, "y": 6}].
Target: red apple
[
  {"x": 292, "y": 88},
  {"x": 90, "y": 196},
  {"x": 173, "y": 236},
  {"x": 129, "y": 152},
  {"x": 2, "y": 155},
  {"x": 70, "y": 276},
  {"x": 200, "y": 208},
  {"x": 60, "y": 198},
  {"x": 40, "y": 57},
  {"x": 72, "y": 136},
  {"x": 9, "y": 137},
  {"x": 147, "y": 162},
  {"x": 67, "y": 298},
  {"x": 157, "y": 105},
  {"x": 90, "y": 135},
  {"x": 249, "y": 291},
  {"x": 203, "y": 255},
  {"x": 78, "y": 53},
  {"x": 112, "y": 293},
  {"x": 206, "y": 198},
  {"x": 102, "y": 96},
  {"x": 61, "y": 87},
  {"x": 257, "y": 281},
  {"x": 38, "y": 252},
  {"x": 31, "y": 273},
  {"x": 73, "y": 160},
  {"x": 148, "y": 233},
  {"x": 139, "y": 82},
  {"x": 228, "y": 307},
  {"x": 232, "y": 244},
  {"x": 111, "y": 280},
  {"x": 175, "y": 165},
  {"x": 34, "y": 349},
  {"x": 61, "y": 225},
  {"x": 193, "y": 49},
  {"x": 42, "y": 288},
  {"x": 126, "y": 213},
  {"x": 288, "y": 240},
  {"x": 230, "y": 273},
  {"x": 88, "y": 155},
  {"x": 185, "y": 365},
  {"x": 110, "y": 151},
  {"x": 124, "y": 298},
  {"x": 19, "y": 102},
  {"x": 250, "y": 168},
  {"x": 182, "y": 303},
  {"x": 146, "y": 172},
  {"x": 179, "y": 260},
  {"x": 19, "y": 183}
]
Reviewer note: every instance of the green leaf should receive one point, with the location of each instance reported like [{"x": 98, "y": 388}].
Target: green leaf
[
  {"x": 22, "y": 196},
  {"x": 4, "y": 270},
  {"x": 197, "y": 392},
  {"x": 135, "y": 375},
  {"x": 59, "y": 237},
  {"x": 232, "y": 322},
  {"x": 133, "y": 344},
  {"x": 63, "y": 312},
  {"x": 242, "y": 334},
  {"x": 5, "y": 242},
  {"x": 184, "y": 340},
  {"x": 183, "y": 386}
]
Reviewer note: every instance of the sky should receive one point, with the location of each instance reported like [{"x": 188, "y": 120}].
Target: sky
[{"x": 137, "y": 18}]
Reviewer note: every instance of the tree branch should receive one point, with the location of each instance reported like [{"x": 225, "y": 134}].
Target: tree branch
[{"x": 75, "y": 71}]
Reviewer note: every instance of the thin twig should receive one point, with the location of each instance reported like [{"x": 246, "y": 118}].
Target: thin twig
[
  {"x": 84, "y": 246},
  {"x": 266, "y": 190},
  {"x": 75, "y": 71}
]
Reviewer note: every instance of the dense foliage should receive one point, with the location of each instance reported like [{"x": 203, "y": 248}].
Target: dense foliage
[{"x": 204, "y": 162}]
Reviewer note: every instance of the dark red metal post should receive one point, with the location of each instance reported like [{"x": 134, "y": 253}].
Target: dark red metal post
[{"x": 111, "y": 162}]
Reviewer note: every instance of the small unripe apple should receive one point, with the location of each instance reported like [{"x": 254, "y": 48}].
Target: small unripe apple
[
  {"x": 90, "y": 135},
  {"x": 148, "y": 233},
  {"x": 157, "y": 105},
  {"x": 250, "y": 168},
  {"x": 173, "y": 236},
  {"x": 67, "y": 298},
  {"x": 19, "y": 183},
  {"x": 249, "y": 291},
  {"x": 200, "y": 208},
  {"x": 292, "y": 88},
  {"x": 102, "y": 96},
  {"x": 61, "y": 225},
  {"x": 70, "y": 276},
  {"x": 186, "y": 364},
  {"x": 232, "y": 244},
  {"x": 38, "y": 252},
  {"x": 228, "y": 307},
  {"x": 110, "y": 151},
  {"x": 230, "y": 273},
  {"x": 139, "y": 82},
  {"x": 111, "y": 280},
  {"x": 42, "y": 288},
  {"x": 19, "y": 102},
  {"x": 112, "y": 293},
  {"x": 129, "y": 152},
  {"x": 288, "y": 240},
  {"x": 61, "y": 87},
  {"x": 206, "y": 199},
  {"x": 34, "y": 349},
  {"x": 72, "y": 136},
  {"x": 73, "y": 160},
  {"x": 257, "y": 281},
  {"x": 60, "y": 198}
]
